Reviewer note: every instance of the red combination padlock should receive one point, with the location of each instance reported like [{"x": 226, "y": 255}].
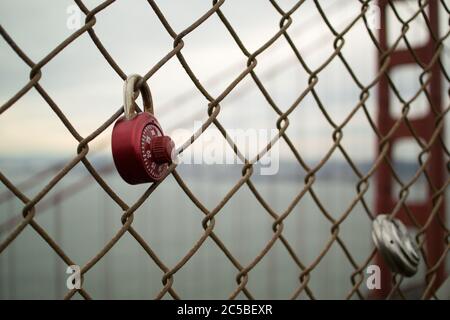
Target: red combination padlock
[{"x": 141, "y": 151}]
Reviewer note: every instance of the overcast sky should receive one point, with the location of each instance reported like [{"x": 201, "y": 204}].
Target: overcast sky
[{"x": 88, "y": 90}]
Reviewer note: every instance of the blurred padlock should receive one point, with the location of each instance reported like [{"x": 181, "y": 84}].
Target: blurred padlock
[{"x": 395, "y": 245}]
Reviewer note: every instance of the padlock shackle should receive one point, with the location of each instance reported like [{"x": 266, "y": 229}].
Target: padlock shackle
[{"x": 130, "y": 95}]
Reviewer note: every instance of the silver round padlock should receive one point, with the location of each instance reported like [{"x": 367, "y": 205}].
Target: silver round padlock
[{"x": 395, "y": 245}]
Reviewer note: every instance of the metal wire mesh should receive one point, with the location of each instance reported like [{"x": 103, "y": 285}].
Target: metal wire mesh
[{"x": 213, "y": 110}]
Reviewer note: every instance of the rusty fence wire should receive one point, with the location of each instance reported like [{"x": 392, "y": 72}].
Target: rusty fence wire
[{"x": 213, "y": 109}]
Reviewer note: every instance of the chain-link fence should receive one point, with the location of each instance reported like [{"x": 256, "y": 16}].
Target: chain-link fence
[{"x": 371, "y": 179}]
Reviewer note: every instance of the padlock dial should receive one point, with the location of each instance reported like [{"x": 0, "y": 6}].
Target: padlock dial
[{"x": 154, "y": 169}]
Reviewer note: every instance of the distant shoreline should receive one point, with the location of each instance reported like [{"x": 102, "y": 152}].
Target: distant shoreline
[{"x": 289, "y": 170}]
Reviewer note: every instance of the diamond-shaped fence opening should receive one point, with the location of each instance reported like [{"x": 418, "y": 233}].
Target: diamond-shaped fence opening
[{"x": 334, "y": 87}]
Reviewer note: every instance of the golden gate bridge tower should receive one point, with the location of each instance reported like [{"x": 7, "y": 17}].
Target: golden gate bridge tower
[{"x": 427, "y": 215}]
